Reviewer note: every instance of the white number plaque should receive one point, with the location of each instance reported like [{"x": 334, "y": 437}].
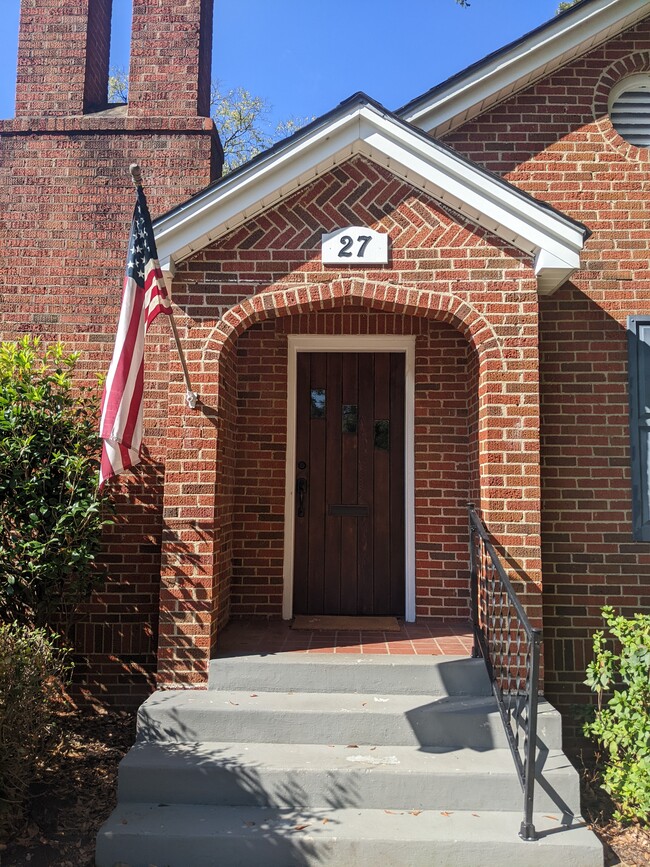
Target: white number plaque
[{"x": 355, "y": 245}]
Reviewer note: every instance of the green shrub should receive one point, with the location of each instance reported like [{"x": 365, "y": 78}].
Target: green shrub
[
  {"x": 50, "y": 510},
  {"x": 622, "y": 724},
  {"x": 32, "y": 671}
]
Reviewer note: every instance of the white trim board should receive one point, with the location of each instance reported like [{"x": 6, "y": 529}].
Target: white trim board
[
  {"x": 362, "y": 127},
  {"x": 504, "y": 73},
  {"x": 352, "y": 343}
]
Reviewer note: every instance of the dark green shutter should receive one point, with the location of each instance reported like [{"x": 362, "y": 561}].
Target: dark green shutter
[{"x": 639, "y": 374}]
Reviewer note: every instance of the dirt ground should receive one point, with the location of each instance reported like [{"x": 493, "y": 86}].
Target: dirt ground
[{"x": 76, "y": 789}]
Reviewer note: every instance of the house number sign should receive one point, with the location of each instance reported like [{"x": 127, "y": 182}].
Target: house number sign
[{"x": 355, "y": 245}]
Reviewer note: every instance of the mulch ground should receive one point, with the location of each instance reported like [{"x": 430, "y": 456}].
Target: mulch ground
[{"x": 75, "y": 792}]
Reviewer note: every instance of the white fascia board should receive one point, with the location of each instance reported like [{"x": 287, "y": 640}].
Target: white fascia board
[
  {"x": 467, "y": 96},
  {"x": 223, "y": 208},
  {"x": 493, "y": 205},
  {"x": 408, "y": 154}
]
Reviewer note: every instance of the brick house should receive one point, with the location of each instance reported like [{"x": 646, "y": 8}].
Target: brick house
[
  {"x": 563, "y": 411},
  {"x": 351, "y": 406}
]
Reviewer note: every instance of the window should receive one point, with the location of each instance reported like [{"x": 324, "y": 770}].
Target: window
[
  {"x": 318, "y": 403},
  {"x": 639, "y": 378},
  {"x": 629, "y": 110}
]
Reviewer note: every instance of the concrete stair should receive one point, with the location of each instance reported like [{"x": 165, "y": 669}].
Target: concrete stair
[{"x": 326, "y": 759}]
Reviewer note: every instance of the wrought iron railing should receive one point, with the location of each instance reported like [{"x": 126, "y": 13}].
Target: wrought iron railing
[{"x": 510, "y": 647}]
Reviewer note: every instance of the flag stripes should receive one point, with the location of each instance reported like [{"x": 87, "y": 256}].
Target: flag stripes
[{"x": 143, "y": 297}]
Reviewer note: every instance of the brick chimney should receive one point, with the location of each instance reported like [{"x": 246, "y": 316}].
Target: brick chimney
[
  {"x": 171, "y": 55},
  {"x": 66, "y": 201},
  {"x": 63, "y": 51},
  {"x": 63, "y": 57}
]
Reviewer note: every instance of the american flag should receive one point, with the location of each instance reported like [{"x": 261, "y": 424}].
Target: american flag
[{"x": 143, "y": 298}]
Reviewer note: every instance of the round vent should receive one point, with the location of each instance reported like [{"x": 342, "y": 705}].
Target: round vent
[{"x": 629, "y": 110}]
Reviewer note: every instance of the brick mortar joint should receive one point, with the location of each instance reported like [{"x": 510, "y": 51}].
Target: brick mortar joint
[{"x": 92, "y": 124}]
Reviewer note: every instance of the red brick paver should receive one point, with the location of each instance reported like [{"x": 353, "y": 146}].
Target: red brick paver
[{"x": 424, "y": 638}]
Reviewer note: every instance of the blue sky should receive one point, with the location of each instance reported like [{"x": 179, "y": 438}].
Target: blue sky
[{"x": 305, "y": 56}]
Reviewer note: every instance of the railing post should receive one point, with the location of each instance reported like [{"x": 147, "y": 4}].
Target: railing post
[
  {"x": 473, "y": 583},
  {"x": 527, "y": 830}
]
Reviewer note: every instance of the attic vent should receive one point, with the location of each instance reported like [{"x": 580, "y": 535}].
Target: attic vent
[{"x": 629, "y": 110}]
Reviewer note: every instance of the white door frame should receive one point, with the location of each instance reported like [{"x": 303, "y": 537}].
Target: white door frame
[{"x": 352, "y": 343}]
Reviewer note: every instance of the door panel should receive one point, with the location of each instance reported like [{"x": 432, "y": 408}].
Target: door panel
[{"x": 349, "y": 539}]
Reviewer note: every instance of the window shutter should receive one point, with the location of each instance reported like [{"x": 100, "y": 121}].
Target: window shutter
[{"x": 639, "y": 378}]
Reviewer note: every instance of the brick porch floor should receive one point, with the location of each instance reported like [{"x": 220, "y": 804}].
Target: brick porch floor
[{"x": 424, "y": 638}]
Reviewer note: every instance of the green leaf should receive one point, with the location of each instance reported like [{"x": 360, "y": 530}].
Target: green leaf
[
  {"x": 622, "y": 725},
  {"x": 51, "y": 514}
]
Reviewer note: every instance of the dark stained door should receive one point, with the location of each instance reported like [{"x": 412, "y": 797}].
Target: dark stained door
[{"x": 349, "y": 537}]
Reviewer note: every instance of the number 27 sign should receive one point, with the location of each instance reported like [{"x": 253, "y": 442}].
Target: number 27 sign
[{"x": 355, "y": 245}]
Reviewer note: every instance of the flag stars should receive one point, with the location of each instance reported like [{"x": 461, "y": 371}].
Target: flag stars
[{"x": 141, "y": 248}]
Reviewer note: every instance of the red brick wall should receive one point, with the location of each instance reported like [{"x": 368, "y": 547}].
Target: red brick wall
[
  {"x": 555, "y": 141},
  {"x": 98, "y": 49},
  {"x": 66, "y": 201},
  {"x": 590, "y": 558},
  {"x": 259, "y": 471},
  {"x": 446, "y": 469},
  {"x": 65, "y": 232}
]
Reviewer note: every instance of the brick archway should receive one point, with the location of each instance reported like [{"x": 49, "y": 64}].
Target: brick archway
[
  {"x": 620, "y": 69},
  {"x": 404, "y": 299},
  {"x": 197, "y": 547}
]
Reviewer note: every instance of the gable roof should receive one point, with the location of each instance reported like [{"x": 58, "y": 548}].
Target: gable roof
[
  {"x": 361, "y": 126},
  {"x": 521, "y": 63}
]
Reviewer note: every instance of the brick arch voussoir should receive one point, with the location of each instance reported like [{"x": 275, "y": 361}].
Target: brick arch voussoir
[
  {"x": 638, "y": 62},
  {"x": 386, "y": 297}
]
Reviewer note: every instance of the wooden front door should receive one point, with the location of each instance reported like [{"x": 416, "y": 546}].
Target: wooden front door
[{"x": 349, "y": 536}]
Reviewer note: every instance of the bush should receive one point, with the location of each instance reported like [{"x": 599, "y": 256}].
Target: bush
[
  {"x": 32, "y": 671},
  {"x": 50, "y": 510},
  {"x": 622, "y": 725}
]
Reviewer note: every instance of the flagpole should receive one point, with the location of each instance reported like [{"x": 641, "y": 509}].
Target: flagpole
[{"x": 191, "y": 396}]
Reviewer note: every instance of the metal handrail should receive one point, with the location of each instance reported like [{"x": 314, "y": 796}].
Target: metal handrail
[{"x": 494, "y": 607}]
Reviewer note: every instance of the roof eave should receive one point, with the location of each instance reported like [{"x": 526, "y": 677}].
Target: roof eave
[
  {"x": 268, "y": 179},
  {"x": 521, "y": 64},
  {"x": 368, "y": 129}
]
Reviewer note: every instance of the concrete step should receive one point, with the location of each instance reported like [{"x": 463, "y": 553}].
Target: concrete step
[
  {"x": 207, "y": 836},
  {"x": 315, "y": 760},
  {"x": 299, "y": 718},
  {"x": 313, "y": 672},
  {"x": 312, "y": 775}
]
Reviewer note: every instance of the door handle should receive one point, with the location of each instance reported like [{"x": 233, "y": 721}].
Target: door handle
[{"x": 301, "y": 487}]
